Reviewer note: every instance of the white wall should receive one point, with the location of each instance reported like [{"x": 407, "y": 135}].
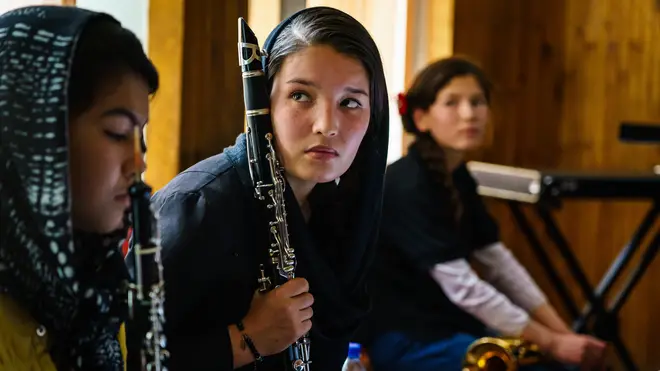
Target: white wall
[
  {"x": 386, "y": 20},
  {"x": 396, "y": 78},
  {"x": 133, "y": 14},
  {"x": 7, "y": 5}
]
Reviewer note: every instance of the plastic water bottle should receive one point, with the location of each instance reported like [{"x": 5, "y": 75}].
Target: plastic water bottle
[{"x": 353, "y": 362}]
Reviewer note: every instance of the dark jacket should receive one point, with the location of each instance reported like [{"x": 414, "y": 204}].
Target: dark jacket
[
  {"x": 214, "y": 237},
  {"x": 418, "y": 232}
]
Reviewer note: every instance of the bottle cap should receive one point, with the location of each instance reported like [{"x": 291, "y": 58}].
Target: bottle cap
[{"x": 354, "y": 350}]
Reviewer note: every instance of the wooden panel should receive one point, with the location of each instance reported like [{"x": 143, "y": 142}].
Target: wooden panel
[
  {"x": 378, "y": 17},
  {"x": 441, "y": 35},
  {"x": 263, "y": 16},
  {"x": 199, "y": 109},
  {"x": 212, "y": 90},
  {"x": 430, "y": 36},
  {"x": 566, "y": 74},
  {"x": 166, "y": 30}
]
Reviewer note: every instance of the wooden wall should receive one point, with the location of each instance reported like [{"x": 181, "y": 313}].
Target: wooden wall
[
  {"x": 199, "y": 109},
  {"x": 566, "y": 74},
  {"x": 263, "y": 16}
]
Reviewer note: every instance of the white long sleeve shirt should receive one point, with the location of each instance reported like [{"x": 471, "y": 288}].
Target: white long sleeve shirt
[{"x": 502, "y": 300}]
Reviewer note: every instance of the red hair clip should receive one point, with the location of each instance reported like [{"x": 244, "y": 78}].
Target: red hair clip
[{"x": 403, "y": 104}]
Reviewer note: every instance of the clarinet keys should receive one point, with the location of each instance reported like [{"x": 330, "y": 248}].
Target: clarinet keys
[
  {"x": 264, "y": 282},
  {"x": 145, "y": 338},
  {"x": 267, "y": 176},
  {"x": 299, "y": 354}
]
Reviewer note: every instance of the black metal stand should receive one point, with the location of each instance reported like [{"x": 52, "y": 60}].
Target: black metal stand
[{"x": 604, "y": 322}]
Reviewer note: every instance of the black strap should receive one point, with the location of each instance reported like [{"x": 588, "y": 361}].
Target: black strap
[{"x": 257, "y": 356}]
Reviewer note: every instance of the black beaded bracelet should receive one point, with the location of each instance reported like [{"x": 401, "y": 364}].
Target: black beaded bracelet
[{"x": 249, "y": 342}]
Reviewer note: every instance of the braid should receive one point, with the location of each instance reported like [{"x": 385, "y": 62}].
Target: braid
[
  {"x": 421, "y": 96},
  {"x": 434, "y": 159}
]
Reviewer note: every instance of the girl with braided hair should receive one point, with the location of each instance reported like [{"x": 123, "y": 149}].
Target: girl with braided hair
[{"x": 429, "y": 304}]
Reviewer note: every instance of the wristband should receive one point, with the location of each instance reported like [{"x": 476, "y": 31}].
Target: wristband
[{"x": 249, "y": 342}]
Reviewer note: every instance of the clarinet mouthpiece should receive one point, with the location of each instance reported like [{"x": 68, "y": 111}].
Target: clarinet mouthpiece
[
  {"x": 249, "y": 53},
  {"x": 245, "y": 33}
]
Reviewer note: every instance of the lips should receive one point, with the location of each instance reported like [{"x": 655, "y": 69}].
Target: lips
[
  {"x": 123, "y": 199},
  {"x": 323, "y": 150},
  {"x": 472, "y": 131}
]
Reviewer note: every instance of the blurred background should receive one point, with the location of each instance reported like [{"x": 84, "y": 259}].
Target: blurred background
[{"x": 566, "y": 74}]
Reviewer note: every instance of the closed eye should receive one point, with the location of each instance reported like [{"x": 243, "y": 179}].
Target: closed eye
[{"x": 115, "y": 136}]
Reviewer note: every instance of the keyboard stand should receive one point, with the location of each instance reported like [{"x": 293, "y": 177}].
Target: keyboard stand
[{"x": 594, "y": 318}]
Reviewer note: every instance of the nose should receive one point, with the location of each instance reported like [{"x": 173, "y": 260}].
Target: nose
[
  {"x": 141, "y": 164},
  {"x": 326, "y": 122},
  {"x": 466, "y": 110},
  {"x": 134, "y": 164}
]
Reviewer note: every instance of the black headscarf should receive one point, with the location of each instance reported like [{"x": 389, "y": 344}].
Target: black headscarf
[
  {"x": 70, "y": 282},
  {"x": 345, "y": 218}
]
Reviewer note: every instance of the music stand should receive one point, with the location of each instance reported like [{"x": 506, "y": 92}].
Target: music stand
[
  {"x": 606, "y": 321},
  {"x": 639, "y": 133},
  {"x": 546, "y": 190}
]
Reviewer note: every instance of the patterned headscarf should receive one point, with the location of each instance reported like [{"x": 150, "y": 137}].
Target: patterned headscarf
[{"x": 72, "y": 283}]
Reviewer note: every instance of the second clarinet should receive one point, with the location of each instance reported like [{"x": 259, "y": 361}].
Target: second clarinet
[
  {"x": 147, "y": 348},
  {"x": 267, "y": 176}
]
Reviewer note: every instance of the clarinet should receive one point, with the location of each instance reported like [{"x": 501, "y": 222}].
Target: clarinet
[
  {"x": 267, "y": 177},
  {"x": 146, "y": 341}
]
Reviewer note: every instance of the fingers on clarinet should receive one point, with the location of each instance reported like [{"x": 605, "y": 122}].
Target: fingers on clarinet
[
  {"x": 306, "y": 300},
  {"x": 299, "y": 285},
  {"x": 299, "y": 303},
  {"x": 293, "y": 288},
  {"x": 306, "y": 326},
  {"x": 306, "y": 314}
]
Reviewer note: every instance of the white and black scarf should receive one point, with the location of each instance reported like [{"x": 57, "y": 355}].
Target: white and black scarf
[{"x": 72, "y": 283}]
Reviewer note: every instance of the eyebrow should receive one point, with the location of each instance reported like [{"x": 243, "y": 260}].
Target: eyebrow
[
  {"x": 305, "y": 82},
  {"x": 469, "y": 96},
  {"x": 125, "y": 113}
]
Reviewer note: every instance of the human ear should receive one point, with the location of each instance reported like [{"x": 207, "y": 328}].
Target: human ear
[{"x": 419, "y": 117}]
